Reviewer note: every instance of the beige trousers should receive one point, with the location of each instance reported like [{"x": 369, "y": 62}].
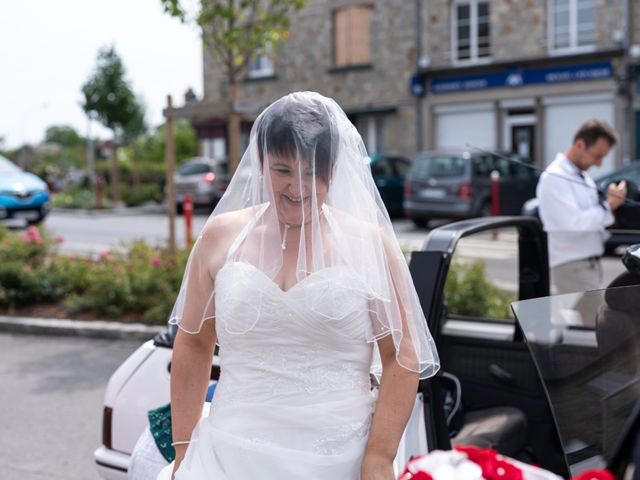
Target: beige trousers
[{"x": 576, "y": 276}]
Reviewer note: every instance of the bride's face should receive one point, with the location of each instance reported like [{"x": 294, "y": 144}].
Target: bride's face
[{"x": 293, "y": 185}]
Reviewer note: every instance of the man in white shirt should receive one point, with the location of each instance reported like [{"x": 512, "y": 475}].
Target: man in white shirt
[{"x": 571, "y": 212}]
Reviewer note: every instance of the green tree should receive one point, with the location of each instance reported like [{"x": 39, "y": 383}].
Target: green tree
[
  {"x": 108, "y": 96},
  {"x": 235, "y": 32},
  {"x": 63, "y": 135},
  {"x": 134, "y": 129},
  {"x": 152, "y": 147}
]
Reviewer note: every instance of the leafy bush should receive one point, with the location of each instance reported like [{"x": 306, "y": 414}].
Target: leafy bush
[
  {"x": 137, "y": 279},
  {"x": 78, "y": 198},
  {"x": 143, "y": 193},
  {"x": 468, "y": 292}
]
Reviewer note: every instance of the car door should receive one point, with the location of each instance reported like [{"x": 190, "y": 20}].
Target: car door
[
  {"x": 401, "y": 167},
  {"x": 467, "y": 275},
  {"x": 517, "y": 185}
]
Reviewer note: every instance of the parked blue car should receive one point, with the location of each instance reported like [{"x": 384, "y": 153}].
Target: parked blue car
[{"x": 22, "y": 194}]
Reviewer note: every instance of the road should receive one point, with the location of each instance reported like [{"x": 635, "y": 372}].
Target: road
[
  {"x": 51, "y": 404},
  {"x": 89, "y": 234}
]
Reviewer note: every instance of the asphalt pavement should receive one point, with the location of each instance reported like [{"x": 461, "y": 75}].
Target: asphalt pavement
[{"x": 51, "y": 403}]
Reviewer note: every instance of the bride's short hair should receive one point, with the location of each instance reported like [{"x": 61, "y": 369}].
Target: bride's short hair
[{"x": 299, "y": 128}]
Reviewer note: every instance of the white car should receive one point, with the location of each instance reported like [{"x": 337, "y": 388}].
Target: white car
[{"x": 141, "y": 384}]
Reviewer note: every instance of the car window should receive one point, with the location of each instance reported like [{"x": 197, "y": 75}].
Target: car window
[
  {"x": 482, "y": 165},
  {"x": 502, "y": 166},
  {"x": 482, "y": 281},
  {"x": 194, "y": 169},
  {"x": 586, "y": 348},
  {"x": 439, "y": 166},
  {"x": 631, "y": 173},
  {"x": 521, "y": 171},
  {"x": 402, "y": 166},
  {"x": 382, "y": 168},
  {"x": 222, "y": 168}
]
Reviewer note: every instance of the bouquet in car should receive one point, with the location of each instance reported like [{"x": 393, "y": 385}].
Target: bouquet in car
[{"x": 472, "y": 463}]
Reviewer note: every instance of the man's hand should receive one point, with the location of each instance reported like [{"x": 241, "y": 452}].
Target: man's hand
[
  {"x": 376, "y": 467},
  {"x": 616, "y": 194}
]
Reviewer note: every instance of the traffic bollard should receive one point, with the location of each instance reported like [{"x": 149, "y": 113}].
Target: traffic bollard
[
  {"x": 187, "y": 210},
  {"x": 495, "y": 198}
]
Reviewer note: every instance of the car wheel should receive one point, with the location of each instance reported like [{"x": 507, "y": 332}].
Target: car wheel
[
  {"x": 179, "y": 208},
  {"x": 420, "y": 222},
  {"x": 39, "y": 219}
]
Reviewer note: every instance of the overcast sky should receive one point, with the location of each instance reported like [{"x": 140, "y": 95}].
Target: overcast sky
[{"x": 48, "y": 50}]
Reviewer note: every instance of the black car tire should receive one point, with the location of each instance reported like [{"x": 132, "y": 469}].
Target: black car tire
[
  {"x": 179, "y": 208},
  {"x": 40, "y": 218},
  {"x": 420, "y": 222}
]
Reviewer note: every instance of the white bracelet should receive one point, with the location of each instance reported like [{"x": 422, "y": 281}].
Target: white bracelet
[{"x": 182, "y": 442}]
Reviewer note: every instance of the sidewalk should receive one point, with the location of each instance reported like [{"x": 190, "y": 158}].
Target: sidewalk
[{"x": 83, "y": 328}]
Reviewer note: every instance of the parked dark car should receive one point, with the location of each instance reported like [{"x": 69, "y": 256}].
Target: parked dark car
[
  {"x": 457, "y": 184},
  {"x": 389, "y": 173},
  {"x": 22, "y": 194},
  {"x": 626, "y": 229},
  {"x": 204, "y": 179}
]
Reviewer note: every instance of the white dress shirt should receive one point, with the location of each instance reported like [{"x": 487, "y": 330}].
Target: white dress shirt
[{"x": 571, "y": 212}]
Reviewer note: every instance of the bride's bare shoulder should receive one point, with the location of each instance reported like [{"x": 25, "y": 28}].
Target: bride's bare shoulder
[{"x": 225, "y": 227}]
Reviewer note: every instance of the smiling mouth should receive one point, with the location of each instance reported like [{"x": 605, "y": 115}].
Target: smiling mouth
[{"x": 295, "y": 200}]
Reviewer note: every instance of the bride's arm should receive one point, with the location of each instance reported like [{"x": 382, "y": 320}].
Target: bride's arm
[
  {"x": 190, "y": 372},
  {"x": 193, "y": 352},
  {"x": 396, "y": 397}
]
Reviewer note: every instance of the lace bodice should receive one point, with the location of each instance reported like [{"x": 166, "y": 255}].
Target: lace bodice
[{"x": 292, "y": 354}]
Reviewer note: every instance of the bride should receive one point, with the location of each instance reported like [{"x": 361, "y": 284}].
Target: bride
[{"x": 297, "y": 275}]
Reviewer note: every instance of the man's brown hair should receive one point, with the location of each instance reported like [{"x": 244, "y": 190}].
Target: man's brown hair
[{"x": 594, "y": 129}]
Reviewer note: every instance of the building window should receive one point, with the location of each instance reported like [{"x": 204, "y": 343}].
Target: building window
[
  {"x": 371, "y": 128},
  {"x": 351, "y": 36},
  {"x": 572, "y": 24},
  {"x": 471, "y": 33},
  {"x": 260, "y": 66}
]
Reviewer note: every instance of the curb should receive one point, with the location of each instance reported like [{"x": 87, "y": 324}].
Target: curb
[{"x": 81, "y": 328}]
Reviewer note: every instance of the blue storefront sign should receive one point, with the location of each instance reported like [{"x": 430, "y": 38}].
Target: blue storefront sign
[
  {"x": 416, "y": 86},
  {"x": 519, "y": 77}
]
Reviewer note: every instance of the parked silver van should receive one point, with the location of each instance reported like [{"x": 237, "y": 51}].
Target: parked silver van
[{"x": 457, "y": 184}]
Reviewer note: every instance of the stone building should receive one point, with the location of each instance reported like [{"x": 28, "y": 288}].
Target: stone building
[
  {"x": 511, "y": 75},
  {"x": 522, "y": 75},
  {"x": 362, "y": 54}
]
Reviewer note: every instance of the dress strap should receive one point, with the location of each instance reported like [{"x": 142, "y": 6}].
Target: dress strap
[{"x": 245, "y": 231}]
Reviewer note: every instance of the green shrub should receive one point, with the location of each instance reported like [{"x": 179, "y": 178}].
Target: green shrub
[
  {"x": 78, "y": 198},
  {"x": 468, "y": 292},
  {"x": 140, "y": 280},
  {"x": 143, "y": 193},
  {"x": 137, "y": 279}
]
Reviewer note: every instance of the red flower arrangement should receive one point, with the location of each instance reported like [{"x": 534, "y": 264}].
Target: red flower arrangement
[{"x": 494, "y": 466}]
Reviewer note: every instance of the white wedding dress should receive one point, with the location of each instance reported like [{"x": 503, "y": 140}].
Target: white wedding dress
[{"x": 294, "y": 400}]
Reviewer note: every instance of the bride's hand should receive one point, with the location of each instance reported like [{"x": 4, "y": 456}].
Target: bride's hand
[{"x": 375, "y": 467}]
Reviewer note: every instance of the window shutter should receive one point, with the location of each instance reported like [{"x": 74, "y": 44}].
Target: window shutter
[
  {"x": 360, "y": 36},
  {"x": 341, "y": 37}
]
